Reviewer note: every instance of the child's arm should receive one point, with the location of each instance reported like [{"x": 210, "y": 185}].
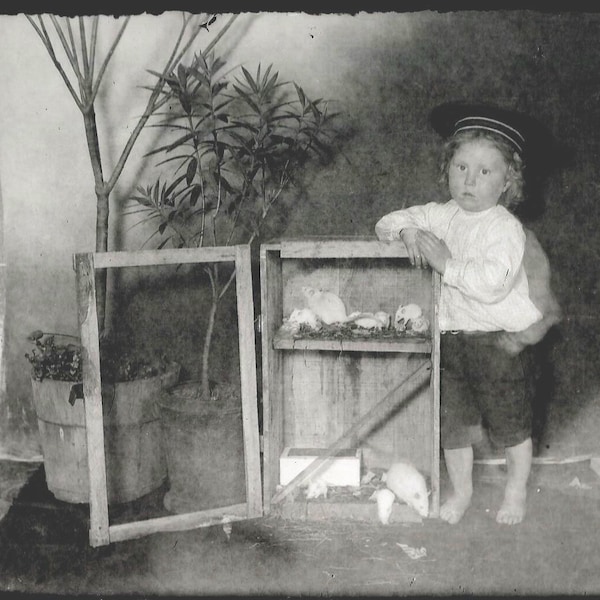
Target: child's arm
[
  {"x": 489, "y": 274},
  {"x": 403, "y": 225},
  {"x": 390, "y": 225}
]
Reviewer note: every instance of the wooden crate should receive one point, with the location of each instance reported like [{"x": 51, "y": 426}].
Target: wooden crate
[{"x": 316, "y": 390}]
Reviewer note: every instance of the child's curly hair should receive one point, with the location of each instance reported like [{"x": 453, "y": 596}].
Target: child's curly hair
[{"x": 514, "y": 194}]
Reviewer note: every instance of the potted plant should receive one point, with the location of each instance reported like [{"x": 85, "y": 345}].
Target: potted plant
[
  {"x": 135, "y": 458},
  {"x": 234, "y": 147},
  {"x": 74, "y": 48},
  {"x": 79, "y": 39}
]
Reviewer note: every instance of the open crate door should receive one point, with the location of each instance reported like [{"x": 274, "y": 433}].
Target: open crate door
[{"x": 102, "y": 532}]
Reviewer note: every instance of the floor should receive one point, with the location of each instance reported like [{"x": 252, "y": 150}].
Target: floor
[{"x": 44, "y": 549}]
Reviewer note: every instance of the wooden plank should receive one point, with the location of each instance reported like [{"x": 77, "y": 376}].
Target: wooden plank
[
  {"x": 88, "y": 325},
  {"x": 351, "y": 511},
  {"x": 286, "y": 341},
  {"x": 143, "y": 258},
  {"x": 183, "y": 522},
  {"x": 270, "y": 247},
  {"x": 2, "y": 327},
  {"x": 272, "y": 386},
  {"x": 342, "y": 248},
  {"x": 357, "y": 431},
  {"x": 405, "y": 433},
  {"x": 326, "y": 392},
  {"x": 435, "y": 399},
  {"x": 247, "y": 345},
  {"x": 3, "y": 273}
]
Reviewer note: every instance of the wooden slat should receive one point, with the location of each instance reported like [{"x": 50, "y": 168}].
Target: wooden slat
[
  {"x": 435, "y": 400},
  {"x": 359, "y": 429},
  {"x": 2, "y": 319},
  {"x": 316, "y": 510},
  {"x": 3, "y": 273},
  {"x": 272, "y": 386},
  {"x": 247, "y": 345},
  {"x": 342, "y": 248},
  {"x": 183, "y": 522},
  {"x": 286, "y": 341},
  {"x": 144, "y": 258},
  {"x": 88, "y": 325}
]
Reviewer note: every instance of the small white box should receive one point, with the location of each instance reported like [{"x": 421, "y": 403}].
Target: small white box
[
  {"x": 595, "y": 464},
  {"x": 344, "y": 469}
]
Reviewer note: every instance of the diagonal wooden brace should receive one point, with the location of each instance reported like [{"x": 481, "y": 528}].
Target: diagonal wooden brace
[{"x": 360, "y": 429}]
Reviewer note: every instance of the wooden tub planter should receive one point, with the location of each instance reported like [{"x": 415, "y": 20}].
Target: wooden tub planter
[
  {"x": 135, "y": 457},
  {"x": 376, "y": 393}
]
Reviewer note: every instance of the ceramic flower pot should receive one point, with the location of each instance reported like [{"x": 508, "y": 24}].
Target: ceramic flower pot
[{"x": 203, "y": 440}]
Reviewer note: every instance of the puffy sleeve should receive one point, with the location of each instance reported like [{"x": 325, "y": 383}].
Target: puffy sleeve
[
  {"x": 488, "y": 274},
  {"x": 390, "y": 225}
]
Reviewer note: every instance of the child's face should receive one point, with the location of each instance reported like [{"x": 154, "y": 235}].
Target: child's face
[{"x": 477, "y": 175}]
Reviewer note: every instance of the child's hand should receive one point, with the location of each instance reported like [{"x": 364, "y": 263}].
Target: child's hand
[
  {"x": 415, "y": 256},
  {"x": 434, "y": 250}
]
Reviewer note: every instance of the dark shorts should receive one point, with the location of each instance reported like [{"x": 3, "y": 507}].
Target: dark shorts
[{"x": 481, "y": 384}]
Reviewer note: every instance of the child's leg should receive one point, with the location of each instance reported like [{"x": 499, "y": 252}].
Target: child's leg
[
  {"x": 518, "y": 463},
  {"x": 459, "y": 463}
]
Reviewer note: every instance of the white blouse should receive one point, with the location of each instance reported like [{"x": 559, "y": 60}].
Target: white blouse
[{"x": 484, "y": 287}]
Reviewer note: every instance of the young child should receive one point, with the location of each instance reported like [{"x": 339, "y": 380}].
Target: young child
[{"x": 477, "y": 245}]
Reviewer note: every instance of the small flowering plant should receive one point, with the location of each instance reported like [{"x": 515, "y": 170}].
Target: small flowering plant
[
  {"x": 52, "y": 360},
  {"x": 63, "y": 361}
]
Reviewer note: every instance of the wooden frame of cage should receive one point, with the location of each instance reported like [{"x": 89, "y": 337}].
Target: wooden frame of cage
[
  {"x": 85, "y": 264},
  {"x": 271, "y": 257}
]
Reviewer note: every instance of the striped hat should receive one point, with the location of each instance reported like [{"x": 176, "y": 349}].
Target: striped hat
[{"x": 524, "y": 133}]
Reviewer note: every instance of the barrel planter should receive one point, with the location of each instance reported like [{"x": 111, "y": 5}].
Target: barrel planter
[
  {"x": 135, "y": 457},
  {"x": 204, "y": 446}
]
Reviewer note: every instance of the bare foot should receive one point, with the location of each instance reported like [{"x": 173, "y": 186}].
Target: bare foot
[
  {"x": 454, "y": 508},
  {"x": 513, "y": 507}
]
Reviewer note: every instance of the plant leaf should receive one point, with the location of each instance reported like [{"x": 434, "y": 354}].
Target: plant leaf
[
  {"x": 191, "y": 170},
  {"x": 196, "y": 191}
]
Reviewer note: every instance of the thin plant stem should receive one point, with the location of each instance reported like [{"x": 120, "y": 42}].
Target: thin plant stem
[
  {"x": 84, "y": 52},
  {"x": 43, "y": 34},
  {"x": 107, "y": 58},
  {"x": 88, "y": 90}
]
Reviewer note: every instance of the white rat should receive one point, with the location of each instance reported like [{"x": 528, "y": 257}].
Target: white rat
[
  {"x": 409, "y": 485},
  {"x": 326, "y": 305},
  {"x": 420, "y": 324},
  {"x": 385, "y": 499},
  {"x": 367, "y": 320},
  {"x": 316, "y": 488},
  {"x": 406, "y": 313},
  {"x": 302, "y": 316},
  {"x": 384, "y": 317}
]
